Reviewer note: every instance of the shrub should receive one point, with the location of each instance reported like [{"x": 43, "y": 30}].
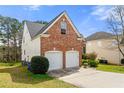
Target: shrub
[
  {"x": 93, "y": 63},
  {"x": 92, "y": 56},
  {"x": 84, "y": 61},
  {"x": 85, "y": 65},
  {"x": 39, "y": 65},
  {"x": 122, "y": 61},
  {"x": 84, "y": 56}
]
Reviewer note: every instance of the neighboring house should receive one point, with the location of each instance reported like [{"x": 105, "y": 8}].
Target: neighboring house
[
  {"x": 105, "y": 46},
  {"x": 58, "y": 40}
]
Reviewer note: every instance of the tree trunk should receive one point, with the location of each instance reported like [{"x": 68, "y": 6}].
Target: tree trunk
[
  {"x": 8, "y": 48},
  {"x": 15, "y": 49}
]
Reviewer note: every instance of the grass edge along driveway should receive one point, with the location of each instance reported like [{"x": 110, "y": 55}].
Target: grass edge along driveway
[
  {"x": 111, "y": 68},
  {"x": 13, "y": 75}
]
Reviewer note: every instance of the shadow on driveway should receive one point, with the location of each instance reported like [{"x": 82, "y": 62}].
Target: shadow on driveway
[{"x": 63, "y": 72}]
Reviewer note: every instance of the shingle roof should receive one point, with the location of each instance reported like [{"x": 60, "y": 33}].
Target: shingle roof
[
  {"x": 37, "y": 28},
  {"x": 45, "y": 27},
  {"x": 34, "y": 28},
  {"x": 99, "y": 35}
]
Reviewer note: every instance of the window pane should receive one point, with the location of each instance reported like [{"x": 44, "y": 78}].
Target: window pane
[
  {"x": 63, "y": 25},
  {"x": 63, "y": 31}
]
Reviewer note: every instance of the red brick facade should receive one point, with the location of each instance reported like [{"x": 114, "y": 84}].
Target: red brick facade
[{"x": 61, "y": 42}]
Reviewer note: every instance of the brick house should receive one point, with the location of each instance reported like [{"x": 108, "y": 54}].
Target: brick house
[{"x": 58, "y": 40}]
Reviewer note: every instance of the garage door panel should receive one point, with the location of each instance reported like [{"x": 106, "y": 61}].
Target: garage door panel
[
  {"x": 55, "y": 59},
  {"x": 72, "y": 59}
]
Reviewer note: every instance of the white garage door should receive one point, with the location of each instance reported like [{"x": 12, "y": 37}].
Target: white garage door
[
  {"x": 55, "y": 59},
  {"x": 72, "y": 59}
]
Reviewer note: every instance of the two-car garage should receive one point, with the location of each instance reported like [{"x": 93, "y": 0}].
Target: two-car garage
[{"x": 56, "y": 59}]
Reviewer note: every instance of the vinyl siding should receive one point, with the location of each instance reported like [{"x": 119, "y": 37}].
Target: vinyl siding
[{"x": 31, "y": 47}]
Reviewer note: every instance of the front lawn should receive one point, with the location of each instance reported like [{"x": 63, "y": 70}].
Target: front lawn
[
  {"x": 13, "y": 75},
  {"x": 111, "y": 68}
]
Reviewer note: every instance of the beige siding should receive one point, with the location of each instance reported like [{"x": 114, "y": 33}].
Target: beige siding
[{"x": 105, "y": 48}]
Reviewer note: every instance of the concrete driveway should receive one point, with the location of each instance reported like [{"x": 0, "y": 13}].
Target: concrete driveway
[{"x": 91, "y": 78}]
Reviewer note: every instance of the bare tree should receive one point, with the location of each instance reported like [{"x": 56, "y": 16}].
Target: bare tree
[{"x": 116, "y": 25}]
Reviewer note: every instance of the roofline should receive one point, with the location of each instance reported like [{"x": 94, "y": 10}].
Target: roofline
[
  {"x": 53, "y": 23},
  {"x": 25, "y": 23},
  {"x": 70, "y": 21},
  {"x": 48, "y": 26},
  {"x": 101, "y": 39}
]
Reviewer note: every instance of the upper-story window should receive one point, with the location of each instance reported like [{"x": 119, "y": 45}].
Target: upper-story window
[
  {"x": 63, "y": 27},
  {"x": 114, "y": 43}
]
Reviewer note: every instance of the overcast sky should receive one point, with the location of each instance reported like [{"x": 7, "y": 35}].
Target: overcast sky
[{"x": 87, "y": 19}]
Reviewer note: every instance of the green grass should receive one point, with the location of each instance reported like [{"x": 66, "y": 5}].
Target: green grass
[
  {"x": 16, "y": 76},
  {"x": 111, "y": 68},
  {"x": 10, "y": 64}
]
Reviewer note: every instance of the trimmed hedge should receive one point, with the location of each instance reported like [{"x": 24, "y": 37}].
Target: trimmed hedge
[
  {"x": 93, "y": 63},
  {"x": 39, "y": 65},
  {"x": 84, "y": 61}
]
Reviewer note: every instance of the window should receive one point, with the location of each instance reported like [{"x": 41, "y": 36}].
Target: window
[
  {"x": 114, "y": 43},
  {"x": 63, "y": 27}
]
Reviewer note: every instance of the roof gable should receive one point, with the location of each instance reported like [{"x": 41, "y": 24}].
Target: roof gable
[
  {"x": 36, "y": 29},
  {"x": 57, "y": 18},
  {"x": 49, "y": 24}
]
